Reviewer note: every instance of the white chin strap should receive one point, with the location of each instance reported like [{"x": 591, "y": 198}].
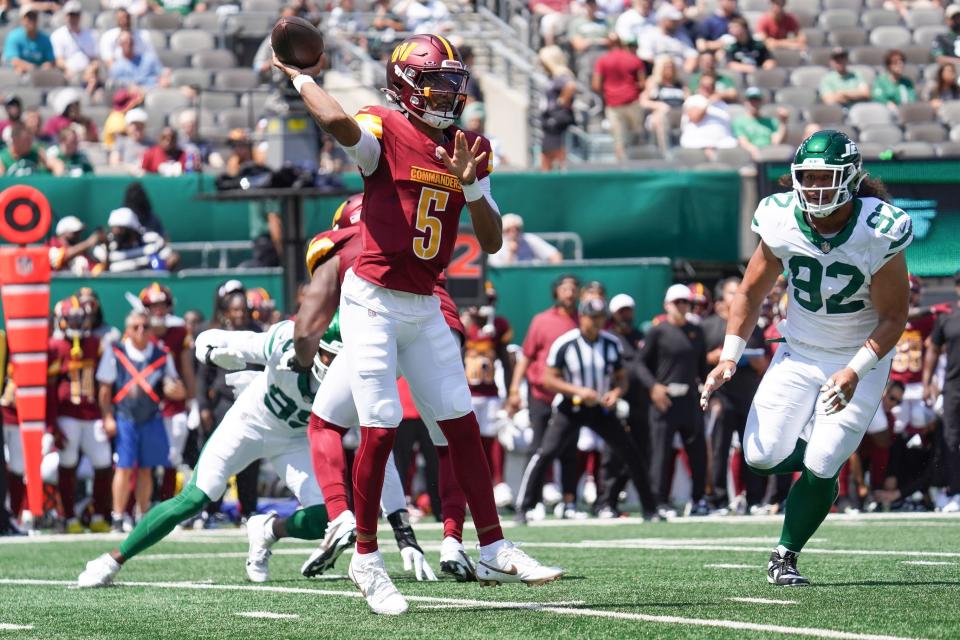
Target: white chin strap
[{"x": 433, "y": 120}]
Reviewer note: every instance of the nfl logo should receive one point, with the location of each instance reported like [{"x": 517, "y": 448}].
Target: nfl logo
[
  {"x": 825, "y": 246},
  {"x": 24, "y": 266}
]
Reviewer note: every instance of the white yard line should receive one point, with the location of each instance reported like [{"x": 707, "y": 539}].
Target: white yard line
[
  {"x": 762, "y": 601},
  {"x": 6, "y": 626},
  {"x": 927, "y": 563},
  {"x": 721, "y": 565},
  {"x": 534, "y": 607},
  {"x": 268, "y": 615}
]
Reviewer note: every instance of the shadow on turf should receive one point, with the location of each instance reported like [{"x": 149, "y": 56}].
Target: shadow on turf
[{"x": 890, "y": 583}]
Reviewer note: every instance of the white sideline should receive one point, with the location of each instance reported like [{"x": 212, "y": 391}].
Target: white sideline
[
  {"x": 762, "y": 601},
  {"x": 720, "y": 565},
  {"x": 6, "y": 626},
  {"x": 269, "y": 615},
  {"x": 532, "y": 606},
  {"x": 925, "y": 563}
]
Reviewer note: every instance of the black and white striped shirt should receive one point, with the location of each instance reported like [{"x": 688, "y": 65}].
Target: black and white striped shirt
[{"x": 587, "y": 364}]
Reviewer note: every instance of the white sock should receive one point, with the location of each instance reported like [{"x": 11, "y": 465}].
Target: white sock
[
  {"x": 782, "y": 549},
  {"x": 268, "y": 535},
  {"x": 112, "y": 562},
  {"x": 489, "y": 551}
]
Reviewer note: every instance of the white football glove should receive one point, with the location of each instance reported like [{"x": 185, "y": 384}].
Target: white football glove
[
  {"x": 193, "y": 417},
  {"x": 413, "y": 560},
  {"x": 226, "y": 358}
]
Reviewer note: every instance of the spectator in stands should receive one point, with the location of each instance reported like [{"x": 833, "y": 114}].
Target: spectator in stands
[
  {"x": 635, "y": 21},
  {"x": 136, "y": 199},
  {"x": 946, "y": 46},
  {"x": 116, "y": 123},
  {"x": 779, "y": 29},
  {"x": 26, "y": 47},
  {"x": 474, "y": 119},
  {"x": 945, "y": 87},
  {"x": 726, "y": 88},
  {"x": 666, "y": 39},
  {"x": 426, "y": 16},
  {"x": 553, "y": 17},
  {"x": 168, "y": 158},
  {"x": 557, "y": 115},
  {"x": 619, "y": 76},
  {"x": 663, "y": 92},
  {"x": 712, "y": 31},
  {"x": 76, "y": 48},
  {"x": 136, "y": 8},
  {"x": 129, "y": 150},
  {"x": 746, "y": 54},
  {"x": 708, "y": 89},
  {"x": 519, "y": 247},
  {"x": 345, "y": 20},
  {"x": 70, "y": 252},
  {"x": 588, "y": 32},
  {"x": 183, "y": 7},
  {"x": 21, "y": 157},
  {"x": 34, "y": 123},
  {"x": 386, "y": 23},
  {"x": 132, "y": 68},
  {"x": 754, "y": 131},
  {"x": 14, "y": 108},
  {"x": 131, "y": 248},
  {"x": 108, "y": 40},
  {"x": 66, "y": 104},
  {"x": 189, "y": 133},
  {"x": 842, "y": 85},
  {"x": 474, "y": 92},
  {"x": 705, "y": 126},
  {"x": 66, "y": 158},
  {"x": 893, "y": 88}
]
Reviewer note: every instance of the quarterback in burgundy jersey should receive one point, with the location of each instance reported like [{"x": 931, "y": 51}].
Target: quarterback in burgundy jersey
[{"x": 419, "y": 171}]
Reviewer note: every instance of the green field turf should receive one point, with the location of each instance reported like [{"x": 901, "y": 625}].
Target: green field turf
[{"x": 874, "y": 576}]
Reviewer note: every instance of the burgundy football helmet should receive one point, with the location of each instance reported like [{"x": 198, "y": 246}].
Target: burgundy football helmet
[
  {"x": 348, "y": 213},
  {"x": 427, "y": 79}
]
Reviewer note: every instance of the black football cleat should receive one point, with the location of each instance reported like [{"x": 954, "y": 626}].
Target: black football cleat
[{"x": 782, "y": 570}]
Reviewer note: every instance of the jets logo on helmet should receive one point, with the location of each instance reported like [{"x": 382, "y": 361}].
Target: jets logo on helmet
[
  {"x": 348, "y": 213},
  {"x": 827, "y": 151},
  {"x": 426, "y": 79}
]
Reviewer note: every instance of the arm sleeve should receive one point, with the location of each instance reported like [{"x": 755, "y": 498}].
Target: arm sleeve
[
  {"x": 531, "y": 343},
  {"x": 484, "y": 183},
  {"x": 253, "y": 347},
  {"x": 107, "y": 367},
  {"x": 366, "y": 153}
]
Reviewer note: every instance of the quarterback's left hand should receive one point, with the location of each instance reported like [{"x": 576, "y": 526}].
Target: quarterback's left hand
[
  {"x": 413, "y": 560},
  {"x": 465, "y": 161},
  {"x": 837, "y": 392}
]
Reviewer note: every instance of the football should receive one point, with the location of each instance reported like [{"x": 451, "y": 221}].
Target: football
[{"x": 296, "y": 42}]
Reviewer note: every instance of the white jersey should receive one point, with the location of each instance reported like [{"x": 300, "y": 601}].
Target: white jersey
[
  {"x": 829, "y": 278},
  {"x": 276, "y": 398}
]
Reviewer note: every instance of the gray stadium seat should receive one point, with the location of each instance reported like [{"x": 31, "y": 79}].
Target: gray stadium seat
[
  {"x": 770, "y": 111},
  {"x": 217, "y": 100},
  {"x": 815, "y": 37},
  {"x": 644, "y": 152},
  {"x": 868, "y": 74},
  {"x": 47, "y": 78},
  {"x": 948, "y": 150},
  {"x": 257, "y": 98},
  {"x": 799, "y": 97},
  {"x": 270, "y": 6},
  {"x": 838, "y": 19},
  {"x": 51, "y": 96},
  {"x": 820, "y": 56},
  {"x": 870, "y": 150},
  {"x": 916, "y": 112},
  {"x": 191, "y": 41},
  {"x": 950, "y": 113},
  {"x": 925, "y": 132},
  {"x": 214, "y": 59},
  {"x": 914, "y": 150},
  {"x": 890, "y": 37},
  {"x": 924, "y": 35},
  {"x": 865, "y": 114},
  {"x": 158, "y": 38},
  {"x": 234, "y": 118},
  {"x": 236, "y": 79},
  {"x": 955, "y": 134},
  {"x": 768, "y": 78},
  {"x": 105, "y": 20},
  {"x": 847, "y": 37},
  {"x": 873, "y": 18},
  {"x": 776, "y": 153},
  {"x": 924, "y": 17},
  {"x": 159, "y": 21},
  {"x": 90, "y": 6},
  {"x": 805, "y": 19},
  {"x": 788, "y": 57},
  {"x": 735, "y": 157},
  {"x": 192, "y": 77},
  {"x": 250, "y": 24},
  {"x": 9, "y": 79},
  {"x": 173, "y": 59},
  {"x": 849, "y": 5},
  {"x": 825, "y": 114},
  {"x": 689, "y": 157},
  {"x": 881, "y": 134},
  {"x": 806, "y": 6},
  {"x": 808, "y": 77},
  {"x": 867, "y": 55},
  {"x": 165, "y": 100},
  {"x": 29, "y": 96},
  {"x": 754, "y": 5},
  {"x": 207, "y": 21},
  {"x": 916, "y": 54}
]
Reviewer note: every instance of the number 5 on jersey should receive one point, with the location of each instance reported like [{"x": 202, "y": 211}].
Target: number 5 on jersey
[{"x": 431, "y": 201}]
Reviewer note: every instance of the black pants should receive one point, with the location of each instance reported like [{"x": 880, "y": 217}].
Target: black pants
[
  {"x": 732, "y": 419},
  {"x": 247, "y": 480},
  {"x": 951, "y": 436},
  {"x": 616, "y": 473},
  {"x": 540, "y": 414},
  {"x": 4, "y": 514},
  {"x": 409, "y": 433},
  {"x": 911, "y": 467},
  {"x": 563, "y": 430},
  {"x": 683, "y": 417}
]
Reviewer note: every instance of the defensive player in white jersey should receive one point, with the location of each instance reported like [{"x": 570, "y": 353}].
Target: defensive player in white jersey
[
  {"x": 268, "y": 420},
  {"x": 842, "y": 245}
]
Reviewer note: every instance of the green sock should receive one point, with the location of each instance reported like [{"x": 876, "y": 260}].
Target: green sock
[
  {"x": 792, "y": 463},
  {"x": 309, "y": 523},
  {"x": 808, "y": 504},
  {"x": 162, "y": 519}
]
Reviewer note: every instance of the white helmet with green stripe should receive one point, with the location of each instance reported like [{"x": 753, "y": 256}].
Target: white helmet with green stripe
[{"x": 330, "y": 344}]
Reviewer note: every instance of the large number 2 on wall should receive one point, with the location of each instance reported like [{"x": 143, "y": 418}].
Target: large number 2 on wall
[{"x": 427, "y": 247}]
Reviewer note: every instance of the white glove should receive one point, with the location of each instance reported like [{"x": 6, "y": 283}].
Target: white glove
[
  {"x": 193, "y": 417},
  {"x": 413, "y": 560},
  {"x": 225, "y": 358}
]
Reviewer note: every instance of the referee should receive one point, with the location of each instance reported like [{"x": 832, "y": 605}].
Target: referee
[{"x": 585, "y": 368}]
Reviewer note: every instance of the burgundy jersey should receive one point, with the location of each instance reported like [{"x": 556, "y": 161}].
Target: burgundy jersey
[
  {"x": 907, "y": 366},
  {"x": 347, "y": 244},
  {"x": 480, "y": 356},
  {"x": 177, "y": 339},
  {"x": 73, "y": 376},
  {"x": 411, "y": 205}
]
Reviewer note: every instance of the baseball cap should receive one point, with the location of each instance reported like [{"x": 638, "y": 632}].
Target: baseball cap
[
  {"x": 753, "y": 93},
  {"x": 28, "y": 9},
  {"x": 952, "y": 10},
  {"x": 592, "y": 307},
  {"x": 837, "y": 53},
  {"x": 696, "y": 101},
  {"x": 136, "y": 115},
  {"x": 621, "y": 301},
  {"x": 668, "y": 12},
  {"x": 70, "y": 224},
  {"x": 677, "y": 292},
  {"x": 72, "y": 6},
  {"x": 64, "y": 98},
  {"x": 12, "y": 99},
  {"x": 123, "y": 217}
]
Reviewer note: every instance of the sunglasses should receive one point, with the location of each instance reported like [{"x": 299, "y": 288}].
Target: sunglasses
[{"x": 137, "y": 327}]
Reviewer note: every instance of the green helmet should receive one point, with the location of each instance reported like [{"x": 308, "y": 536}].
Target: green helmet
[
  {"x": 330, "y": 343},
  {"x": 827, "y": 151}
]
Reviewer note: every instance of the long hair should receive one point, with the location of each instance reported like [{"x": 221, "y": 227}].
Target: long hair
[
  {"x": 869, "y": 187},
  {"x": 137, "y": 200}
]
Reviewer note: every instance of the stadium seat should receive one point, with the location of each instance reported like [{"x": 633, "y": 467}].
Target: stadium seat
[
  {"x": 865, "y": 114},
  {"x": 837, "y": 19},
  {"x": 214, "y": 59},
  {"x": 914, "y": 150},
  {"x": 881, "y": 134},
  {"x": 768, "y": 78},
  {"x": 847, "y": 37},
  {"x": 916, "y": 54},
  {"x": 735, "y": 157},
  {"x": 806, "y": 6},
  {"x": 815, "y": 37},
  {"x": 924, "y": 36},
  {"x": 916, "y": 112},
  {"x": 47, "y": 78},
  {"x": 9, "y": 79},
  {"x": 873, "y": 18},
  {"x": 160, "y": 21},
  {"x": 90, "y": 6},
  {"x": 925, "y": 132},
  {"x": 890, "y": 37},
  {"x": 29, "y": 96},
  {"x": 770, "y": 111},
  {"x": 206, "y": 21},
  {"x": 819, "y": 56},
  {"x": 755, "y": 5},
  {"x": 173, "y": 59},
  {"x": 191, "y": 41},
  {"x": 913, "y": 73},
  {"x": 871, "y": 150},
  {"x": 644, "y": 152},
  {"x": 807, "y": 77},
  {"x": 192, "y": 77},
  {"x": 217, "y": 100},
  {"x": 869, "y": 74},
  {"x": 825, "y": 114},
  {"x": 267, "y": 6},
  {"x": 165, "y": 100},
  {"x": 849, "y": 5},
  {"x": 158, "y": 38},
  {"x": 948, "y": 149},
  {"x": 51, "y": 97},
  {"x": 776, "y": 153},
  {"x": 156, "y": 120},
  {"x": 955, "y": 134},
  {"x": 236, "y": 118},
  {"x": 689, "y": 157},
  {"x": 105, "y": 20},
  {"x": 236, "y": 79},
  {"x": 950, "y": 113},
  {"x": 250, "y": 24},
  {"x": 805, "y": 19},
  {"x": 257, "y": 98},
  {"x": 799, "y": 97},
  {"x": 924, "y": 17},
  {"x": 788, "y": 57},
  {"x": 872, "y": 56}
]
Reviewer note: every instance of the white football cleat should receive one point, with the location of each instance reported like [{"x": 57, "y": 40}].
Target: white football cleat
[
  {"x": 260, "y": 539},
  {"x": 510, "y": 564},
  {"x": 340, "y": 536},
  {"x": 502, "y": 495},
  {"x": 455, "y": 561},
  {"x": 99, "y": 572},
  {"x": 551, "y": 494},
  {"x": 368, "y": 573},
  {"x": 952, "y": 505}
]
